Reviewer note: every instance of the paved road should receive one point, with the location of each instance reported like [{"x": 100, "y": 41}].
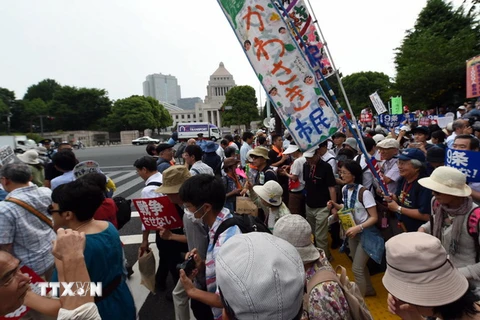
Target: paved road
[{"x": 117, "y": 163}]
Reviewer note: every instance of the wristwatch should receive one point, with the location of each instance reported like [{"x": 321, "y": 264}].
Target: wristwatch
[{"x": 399, "y": 210}]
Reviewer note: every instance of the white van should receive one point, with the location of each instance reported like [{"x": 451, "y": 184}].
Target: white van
[{"x": 192, "y": 129}]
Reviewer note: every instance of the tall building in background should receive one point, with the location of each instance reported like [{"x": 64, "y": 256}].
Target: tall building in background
[{"x": 162, "y": 87}]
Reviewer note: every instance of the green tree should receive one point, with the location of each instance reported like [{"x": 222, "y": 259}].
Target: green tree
[
  {"x": 359, "y": 86},
  {"x": 78, "y": 108},
  {"x": 138, "y": 113},
  {"x": 430, "y": 62},
  {"x": 243, "y": 101},
  {"x": 44, "y": 90}
]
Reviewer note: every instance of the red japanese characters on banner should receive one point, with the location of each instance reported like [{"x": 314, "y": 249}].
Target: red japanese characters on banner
[
  {"x": 158, "y": 212},
  {"x": 366, "y": 117},
  {"x": 424, "y": 121},
  {"x": 34, "y": 278},
  {"x": 473, "y": 77}
]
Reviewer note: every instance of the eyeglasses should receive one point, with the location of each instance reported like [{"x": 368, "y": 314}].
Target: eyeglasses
[{"x": 50, "y": 210}]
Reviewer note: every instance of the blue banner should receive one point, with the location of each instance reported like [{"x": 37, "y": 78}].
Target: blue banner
[
  {"x": 465, "y": 162},
  {"x": 394, "y": 120}
]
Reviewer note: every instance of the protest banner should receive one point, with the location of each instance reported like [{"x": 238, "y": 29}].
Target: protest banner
[
  {"x": 366, "y": 115},
  {"x": 473, "y": 77},
  {"x": 378, "y": 103},
  {"x": 283, "y": 70},
  {"x": 7, "y": 156},
  {"x": 394, "y": 120},
  {"x": 464, "y": 161},
  {"x": 34, "y": 281},
  {"x": 85, "y": 167},
  {"x": 158, "y": 212},
  {"x": 424, "y": 121},
  {"x": 397, "y": 105}
]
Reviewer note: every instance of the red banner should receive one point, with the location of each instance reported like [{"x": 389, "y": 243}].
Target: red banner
[
  {"x": 366, "y": 117},
  {"x": 20, "y": 312},
  {"x": 424, "y": 121},
  {"x": 473, "y": 77},
  {"x": 158, "y": 212}
]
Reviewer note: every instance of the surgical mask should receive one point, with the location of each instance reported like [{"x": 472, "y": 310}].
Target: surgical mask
[{"x": 191, "y": 215}]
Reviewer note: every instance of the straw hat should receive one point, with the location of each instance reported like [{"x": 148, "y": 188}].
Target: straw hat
[
  {"x": 447, "y": 180},
  {"x": 271, "y": 192},
  {"x": 229, "y": 162},
  {"x": 419, "y": 272},
  {"x": 29, "y": 157},
  {"x": 297, "y": 231},
  {"x": 173, "y": 178}
]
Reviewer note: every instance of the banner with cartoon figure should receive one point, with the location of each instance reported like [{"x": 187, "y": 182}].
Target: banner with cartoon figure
[
  {"x": 282, "y": 69},
  {"x": 306, "y": 35},
  {"x": 473, "y": 77}
]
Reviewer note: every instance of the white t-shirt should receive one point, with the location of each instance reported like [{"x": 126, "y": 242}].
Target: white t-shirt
[
  {"x": 361, "y": 214},
  {"x": 329, "y": 157},
  {"x": 297, "y": 170}
]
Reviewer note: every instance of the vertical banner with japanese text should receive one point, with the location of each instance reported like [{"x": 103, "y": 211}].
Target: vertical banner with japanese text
[
  {"x": 397, "y": 105},
  {"x": 378, "y": 103},
  {"x": 283, "y": 70},
  {"x": 473, "y": 77}
]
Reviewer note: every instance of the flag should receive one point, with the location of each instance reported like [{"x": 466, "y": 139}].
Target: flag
[{"x": 282, "y": 68}]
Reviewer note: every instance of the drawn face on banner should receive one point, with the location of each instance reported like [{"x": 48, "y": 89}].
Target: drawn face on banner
[{"x": 279, "y": 62}]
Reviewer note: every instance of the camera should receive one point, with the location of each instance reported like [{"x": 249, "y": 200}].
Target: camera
[{"x": 188, "y": 266}]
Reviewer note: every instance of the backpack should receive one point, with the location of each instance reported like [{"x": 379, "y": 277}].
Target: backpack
[
  {"x": 124, "y": 211},
  {"x": 356, "y": 304},
  {"x": 247, "y": 223},
  {"x": 358, "y": 159},
  {"x": 472, "y": 226}
]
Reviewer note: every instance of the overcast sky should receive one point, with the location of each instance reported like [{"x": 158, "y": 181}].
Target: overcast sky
[{"x": 115, "y": 44}]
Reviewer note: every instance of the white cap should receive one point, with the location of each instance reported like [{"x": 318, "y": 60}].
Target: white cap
[
  {"x": 291, "y": 149},
  {"x": 310, "y": 152}
]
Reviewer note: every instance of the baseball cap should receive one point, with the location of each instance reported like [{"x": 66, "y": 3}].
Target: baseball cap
[
  {"x": 421, "y": 129},
  {"x": 173, "y": 178},
  {"x": 260, "y": 276},
  {"x": 412, "y": 154},
  {"x": 378, "y": 137},
  {"x": 461, "y": 108},
  {"x": 351, "y": 142},
  {"x": 163, "y": 146},
  {"x": 419, "y": 271}
]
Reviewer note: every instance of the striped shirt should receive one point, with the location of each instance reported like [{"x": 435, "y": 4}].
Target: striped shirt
[
  {"x": 212, "y": 252},
  {"x": 31, "y": 237},
  {"x": 199, "y": 167}
]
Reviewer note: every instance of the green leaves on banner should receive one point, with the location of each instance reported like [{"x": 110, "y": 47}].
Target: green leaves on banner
[
  {"x": 318, "y": 91},
  {"x": 289, "y": 120},
  {"x": 270, "y": 5},
  {"x": 233, "y": 7},
  {"x": 260, "y": 77},
  {"x": 289, "y": 47}
]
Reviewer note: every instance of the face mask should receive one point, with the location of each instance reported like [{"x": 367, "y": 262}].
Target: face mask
[{"x": 191, "y": 215}]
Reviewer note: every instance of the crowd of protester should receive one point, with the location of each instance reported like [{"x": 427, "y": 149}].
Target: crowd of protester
[{"x": 415, "y": 222}]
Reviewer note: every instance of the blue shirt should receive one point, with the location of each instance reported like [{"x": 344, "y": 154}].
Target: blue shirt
[
  {"x": 63, "y": 179},
  {"x": 104, "y": 259}
]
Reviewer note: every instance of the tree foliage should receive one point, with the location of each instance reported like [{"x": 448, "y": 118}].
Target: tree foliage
[
  {"x": 243, "y": 101},
  {"x": 44, "y": 90},
  {"x": 138, "y": 113},
  {"x": 430, "y": 62}
]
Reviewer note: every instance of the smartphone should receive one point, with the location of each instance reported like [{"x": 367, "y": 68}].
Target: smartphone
[{"x": 188, "y": 266}]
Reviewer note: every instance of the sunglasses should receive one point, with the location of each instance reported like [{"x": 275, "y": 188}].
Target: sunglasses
[{"x": 51, "y": 211}]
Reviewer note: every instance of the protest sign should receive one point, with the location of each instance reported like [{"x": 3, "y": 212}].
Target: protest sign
[
  {"x": 378, "y": 103},
  {"x": 397, "y": 105},
  {"x": 34, "y": 281},
  {"x": 394, "y": 120},
  {"x": 158, "y": 212},
  {"x": 280, "y": 65},
  {"x": 464, "y": 161},
  {"x": 424, "y": 121},
  {"x": 85, "y": 167},
  {"x": 473, "y": 77},
  {"x": 7, "y": 156}
]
